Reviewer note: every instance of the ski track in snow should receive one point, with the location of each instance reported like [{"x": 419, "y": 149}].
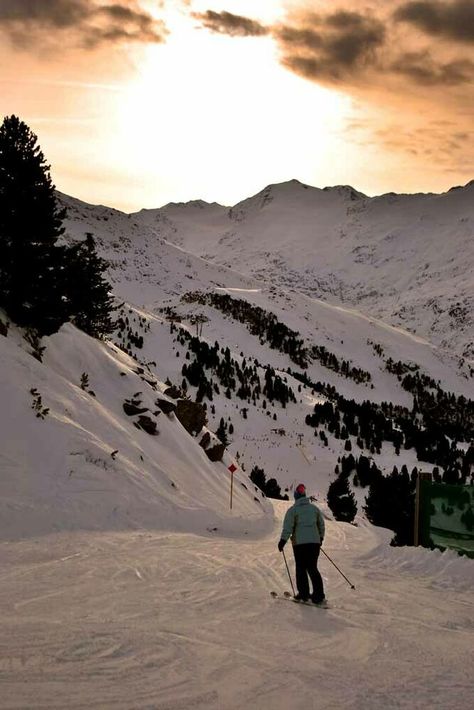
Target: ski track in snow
[{"x": 167, "y": 621}]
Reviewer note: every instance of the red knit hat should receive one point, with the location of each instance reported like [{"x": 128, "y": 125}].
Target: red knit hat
[{"x": 300, "y": 491}]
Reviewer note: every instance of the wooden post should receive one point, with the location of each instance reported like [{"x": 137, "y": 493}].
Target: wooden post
[
  {"x": 422, "y": 476},
  {"x": 416, "y": 530},
  {"x": 232, "y": 468}
]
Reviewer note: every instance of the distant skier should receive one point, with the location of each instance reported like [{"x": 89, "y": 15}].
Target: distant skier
[{"x": 304, "y": 523}]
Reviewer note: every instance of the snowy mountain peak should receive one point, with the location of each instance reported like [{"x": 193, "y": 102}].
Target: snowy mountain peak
[
  {"x": 346, "y": 191},
  {"x": 294, "y": 191},
  {"x": 468, "y": 186},
  {"x": 283, "y": 197},
  {"x": 406, "y": 259},
  {"x": 191, "y": 205}
]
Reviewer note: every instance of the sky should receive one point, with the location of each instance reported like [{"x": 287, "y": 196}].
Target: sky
[{"x": 137, "y": 103}]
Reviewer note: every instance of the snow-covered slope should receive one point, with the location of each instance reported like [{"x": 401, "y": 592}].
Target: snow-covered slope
[
  {"x": 144, "y": 267},
  {"x": 150, "y": 273},
  {"x": 407, "y": 259},
  {"x": 126, "y": 580},
  {"x": 83, "y": 464}
]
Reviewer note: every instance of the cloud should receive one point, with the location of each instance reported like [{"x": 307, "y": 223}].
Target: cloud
[
  {"x": 450, "y": 20},
  {"x": 330, "y": 47},
  {"x": 53, "y": 13},
  {"x": 233, "y": 25},
  {"x": 369, "y": 49},
  {"x": 314, "y": 45},
  {"x": 421, "y": 68},
  {"x": 438, "y": 142},
  {"x": 85, "y": 23},
  {"x": 394, "y": 59}
]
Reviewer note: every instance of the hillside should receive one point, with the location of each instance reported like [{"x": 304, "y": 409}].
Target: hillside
[
  {"x": 73, "y": 459},
  {"x": 406, "y": 259},
  {"x": 154, "y": 275},
  {"x": 127, "y": 580},
  {"x": 167, "y": 296}
]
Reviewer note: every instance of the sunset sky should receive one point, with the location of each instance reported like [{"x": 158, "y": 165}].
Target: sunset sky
[{"x": 137, "y": 103}]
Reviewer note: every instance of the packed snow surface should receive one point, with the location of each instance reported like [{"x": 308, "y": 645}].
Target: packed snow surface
[{"x": 168, "y": 620}]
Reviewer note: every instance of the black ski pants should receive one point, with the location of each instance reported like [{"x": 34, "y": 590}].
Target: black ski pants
[{"x": 306, "y": 561}]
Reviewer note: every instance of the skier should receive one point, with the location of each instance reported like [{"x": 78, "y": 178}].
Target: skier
[{"x": 304, "y": 522}]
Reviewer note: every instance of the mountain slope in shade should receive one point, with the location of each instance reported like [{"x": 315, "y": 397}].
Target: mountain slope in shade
[{"x": 407, "y": 259}]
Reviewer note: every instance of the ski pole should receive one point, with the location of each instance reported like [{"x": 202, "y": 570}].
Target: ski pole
[
  {"x": 289, "y": 575},
  {"x": 352, "y": 586}
]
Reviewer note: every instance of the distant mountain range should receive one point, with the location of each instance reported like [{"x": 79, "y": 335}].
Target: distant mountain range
[{"x": 405, "y": 259}]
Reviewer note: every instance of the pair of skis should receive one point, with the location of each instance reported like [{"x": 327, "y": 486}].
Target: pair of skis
[{"x": 289, "y": 598}]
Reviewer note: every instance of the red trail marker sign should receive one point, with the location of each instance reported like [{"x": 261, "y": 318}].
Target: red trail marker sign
[{"x": 232, "y": 468}]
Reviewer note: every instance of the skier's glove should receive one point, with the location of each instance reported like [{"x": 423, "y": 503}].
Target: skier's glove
[{"x": 281, "y": 545}]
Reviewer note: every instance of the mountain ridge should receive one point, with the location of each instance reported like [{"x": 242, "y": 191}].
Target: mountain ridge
[
  {"x": 406, "y": 259},
  {"x": 306, "y": 186}
]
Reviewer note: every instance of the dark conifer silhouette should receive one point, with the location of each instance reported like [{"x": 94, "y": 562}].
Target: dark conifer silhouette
[
  {"x": 31, "y": 263},
  {"x": 341, "y": 500},
  {"x": 271, "y": 487},
  {"x": 43, "y": 283},
  {"x": 90, "y": 302},
  {"x": 221, "y": 432},
  {"x": 390, "y": 504}
]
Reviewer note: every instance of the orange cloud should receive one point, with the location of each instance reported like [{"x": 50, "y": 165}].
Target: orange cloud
[
  {"x": 368, "y": 48},
  {"x": 397, "y": 58},
  {"x": 331, "y": 47},
  {"x": 230, "y": 24},
  {"x": 450, "y": 20},
  {"x": 80, "y": 23}
]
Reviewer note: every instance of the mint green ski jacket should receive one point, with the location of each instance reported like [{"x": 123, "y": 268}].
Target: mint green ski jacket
[{"x": 304, "y": 523}]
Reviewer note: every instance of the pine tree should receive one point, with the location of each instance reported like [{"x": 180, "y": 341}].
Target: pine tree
[
  {"x": 341, "y": 500},
  {"x": 90, "y": 303},
  {"x": 377, "y": 502},
  {"x": 390, "y": 504},
  {"x": 31, "y": 264},
  {"x": 257, "y": 476},
  {"x": 363, "y": 470},
  {"x": 221, "y": 432},
  {"x": 272, "y": 489}
]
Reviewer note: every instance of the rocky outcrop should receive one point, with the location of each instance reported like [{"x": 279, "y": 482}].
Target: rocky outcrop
[
  {"x": 192, "y": 415},
  {"x": 166, "y": 406},
  {"x": 216, "y": 452}
]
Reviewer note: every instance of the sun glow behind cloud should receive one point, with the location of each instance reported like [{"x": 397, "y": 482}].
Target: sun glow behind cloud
[
  {"x": 179, "y": 104},
  {"x": 223, "y": 114}
]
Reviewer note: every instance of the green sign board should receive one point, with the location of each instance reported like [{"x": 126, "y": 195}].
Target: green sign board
[{"x": 447, "y": 516}]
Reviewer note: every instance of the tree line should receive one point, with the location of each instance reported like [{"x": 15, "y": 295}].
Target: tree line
[
  {"x": 213, "y": 368},
  {"x": 372, "y": 424},
  {"x": 390, "y": 500},
  {"x": 266, "y": 326},
  {"x": 263, "y": 324}
]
